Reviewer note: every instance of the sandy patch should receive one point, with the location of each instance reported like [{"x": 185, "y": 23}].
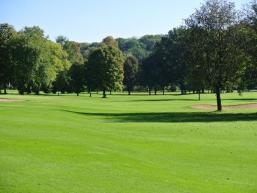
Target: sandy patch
[
  {"x": 7, "y": 100},
  {"x": 228, "y": 107}
]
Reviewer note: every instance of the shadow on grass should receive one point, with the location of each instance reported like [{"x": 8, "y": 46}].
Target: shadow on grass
[{"x": 173, "y": 117}]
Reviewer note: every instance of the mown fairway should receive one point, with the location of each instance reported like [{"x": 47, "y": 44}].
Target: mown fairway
[{"x": 122, "y": 144}]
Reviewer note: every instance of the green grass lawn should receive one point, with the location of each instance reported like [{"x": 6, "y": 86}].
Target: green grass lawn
[{"x": 127, "y": 144}]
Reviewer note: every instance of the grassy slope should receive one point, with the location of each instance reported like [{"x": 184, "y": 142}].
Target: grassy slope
[{"x": 137, "y": 144}]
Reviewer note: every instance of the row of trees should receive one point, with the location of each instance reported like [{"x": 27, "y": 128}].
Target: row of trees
[{"x": 214, "y": 50}]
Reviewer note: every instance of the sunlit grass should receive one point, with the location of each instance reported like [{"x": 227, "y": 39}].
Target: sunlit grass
[{"x": 127, "y": 144}]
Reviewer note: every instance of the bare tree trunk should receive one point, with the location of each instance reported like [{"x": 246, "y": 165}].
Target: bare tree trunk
[
  {"x": 199, "y": 95},
  {"x": 104, "y": 94}
]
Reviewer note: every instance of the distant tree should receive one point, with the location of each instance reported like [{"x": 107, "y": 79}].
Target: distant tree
[
  {"x": 7, "y": 33},
  {"x": 105, "y": 69},
  {"x": 77, "y": 74},
  {"x": 62, "y": 83},
  {"x": 110, "y": 41},
  {"x": 169, "y": 57},
  {"x": 150, "y": 73},
  {"x": 86, "y": 49},
  {"x": 130, "y": 72},
  {"x": 132, "y": 46},
  {"x": 149, "y": 42},
  {"x": 61, "y": 40},
  {"x": 73, "y": 50}
]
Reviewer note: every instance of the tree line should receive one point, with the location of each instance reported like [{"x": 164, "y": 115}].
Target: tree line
[{"x": 214, "y": 50}]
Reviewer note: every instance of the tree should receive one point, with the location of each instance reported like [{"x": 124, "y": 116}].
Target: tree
[
  {"x": 77, "y": 74},
  {"x": 167, "y": 63},
  {"x": 140, "y": 48},
  {"x": 62, "y": 82},
  {"x": 224, "y": 58},
  {"x": 130, "y": 72},
  {"x": 150, "y": 73},
  {"x": 248, "y": 30},
  {"x": 110, "y": 41},
  {"x": 7, "y": 33},
  {"x": 72, "y": 48},
  {"x": 37, "y": 60},
  {"x": 25, "y": 55},
  {"x": 105, "y": 69}
]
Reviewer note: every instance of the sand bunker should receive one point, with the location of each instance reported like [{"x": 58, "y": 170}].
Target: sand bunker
[
  {"x": 228, "y": 107},
  {"x": 7, "y": 100}
]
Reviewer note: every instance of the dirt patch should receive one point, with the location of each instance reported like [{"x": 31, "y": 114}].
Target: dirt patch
[
  {"x": 226, "y": 107},
  {"x": 7, "y": 100}
]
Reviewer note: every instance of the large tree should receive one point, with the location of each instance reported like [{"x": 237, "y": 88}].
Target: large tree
[
  {"x": 223, "y": 57},
  {"x": 25, "y": 56},
  {"x": 37, "y": 60},
  {"x": 105, "y": 69}
]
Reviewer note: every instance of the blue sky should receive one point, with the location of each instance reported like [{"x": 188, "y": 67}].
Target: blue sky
[{"x": 92, "y": 20}]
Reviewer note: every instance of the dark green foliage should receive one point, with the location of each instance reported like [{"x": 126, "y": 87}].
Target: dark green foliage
[
  {"x": 62, "y": 83},
  {"x": 131, "y": 69},
  {"x": 105, "y": 69},
  {"x": 7, "y": 33},
  {"x": 110, "y": 41},
  {"x": 77, "y": 78},
  {"x": 223, "y": 58},
  {"x": 25, "y": 56},
  {"x": 140, "y": 48}
]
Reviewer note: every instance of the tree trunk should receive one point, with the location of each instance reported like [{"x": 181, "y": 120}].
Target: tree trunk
[
  {"x": 129, "y": 92},
  {"x": 21, "y": 92},
  {"x": 110, "y": 92},
  {"x": 90, "y": 94},
  {"x": 5, "y": 89},
  {"x": 150, "y": 93},
  {"x": 77, "y": 94},
  {"x": 199, "y": 95},
  {"x": 218, "y": 97},
  {"x": 155, "y": 91},
  {"x": 104, "y": 94}
]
